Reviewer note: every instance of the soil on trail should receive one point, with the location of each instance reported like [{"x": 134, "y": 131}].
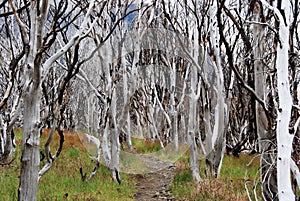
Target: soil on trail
[{"x": 155, "y": 185}]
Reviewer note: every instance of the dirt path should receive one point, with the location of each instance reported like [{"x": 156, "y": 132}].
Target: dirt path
[{"x": 154, "y": 186}]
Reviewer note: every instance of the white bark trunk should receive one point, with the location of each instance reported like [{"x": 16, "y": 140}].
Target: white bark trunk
[
  {"x": 104, "y": 57},
  {"x": 173, "y": 107},
  {"x": 7, "y": 144},
  {"x": 105, "y": 147},
  {"x": 269, "y": 190},
  {"x": 30, "y": 158},
  {"x": 2, "y": 136},
  {"x": 126, "y": 99},
  {"x": 296, "y": 173},
  {"x": 217, "y": 146},
  {"x": 115, "y": 147},
  {"x": 192, "y": 126},
  {"x": 284, "y": 138}
]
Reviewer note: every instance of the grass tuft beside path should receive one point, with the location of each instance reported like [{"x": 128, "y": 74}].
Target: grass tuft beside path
[
  {"x": 63, "y": 180},
  {"x": 229, "y": 186}
]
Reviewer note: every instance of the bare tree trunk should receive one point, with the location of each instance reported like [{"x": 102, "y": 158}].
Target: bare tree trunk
[
  {"x": 283, "y": 135},
  {"x": 6, "y": 141},
  {"x": 115, "y": 147},
  {"x": 104, "y": 59},
  {"x": 30, "y": 158},
  {"x": 216, "y": 153},
  {"x": 126, "y": 95},
  {"x": 192, "y": 125},
  {"x": 174, "y": 109},
  {"x": 269, "y": 184}
]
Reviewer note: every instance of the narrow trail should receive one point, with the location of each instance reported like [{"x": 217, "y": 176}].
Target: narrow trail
[{"x": 155, "y": 185}]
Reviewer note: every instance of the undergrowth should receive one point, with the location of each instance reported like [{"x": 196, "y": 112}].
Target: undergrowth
[
  {"x": 63, "y": 180},
  {"x": 229, "y": 186},
  {"x": 145, "y": 146}
]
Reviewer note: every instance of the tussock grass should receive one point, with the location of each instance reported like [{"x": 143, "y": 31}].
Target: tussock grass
[
  {"x": 63, "y": 180},
  {"x": 145, "y": 146},
  {"x": 236, "y": 174},
  {"x": 229, "y": 186}
]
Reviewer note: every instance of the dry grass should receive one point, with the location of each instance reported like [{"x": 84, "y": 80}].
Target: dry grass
[
  {"x": 63, "y": 180},
  {"x": 229, "y": 186}
]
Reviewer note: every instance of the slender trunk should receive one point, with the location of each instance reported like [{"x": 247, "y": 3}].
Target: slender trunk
[
  {"x": 115, "y": 147},
  {"x": 269, "y": 190},
  {"x": 284, "y": 137},
  {"x": 7, "y": 144},
  {"x": 218, "y": 140},
  {"x": 192, "y": 126},
  {"x": 104, "y": 57},
  {"x": 30, "y": 158},
  {"x": 219, "y": 128},
  {"x": 173, "y": 107},
  {"x": 105, "y": 147}
]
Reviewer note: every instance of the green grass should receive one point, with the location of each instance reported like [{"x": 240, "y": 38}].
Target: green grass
[
  {"x": 63, "y": 180},
  {"x": 145, "y": 146},
  {"x": 229, "y": 186},
  {"x": 68, "y": 180}
]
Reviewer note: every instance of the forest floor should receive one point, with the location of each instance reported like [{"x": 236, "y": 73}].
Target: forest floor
[
  {"x": 155, "y": 185},
  {"x": 238, "y": 180}
]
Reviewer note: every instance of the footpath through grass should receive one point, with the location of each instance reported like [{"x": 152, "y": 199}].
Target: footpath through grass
[{"x": 63, "y": 180}]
